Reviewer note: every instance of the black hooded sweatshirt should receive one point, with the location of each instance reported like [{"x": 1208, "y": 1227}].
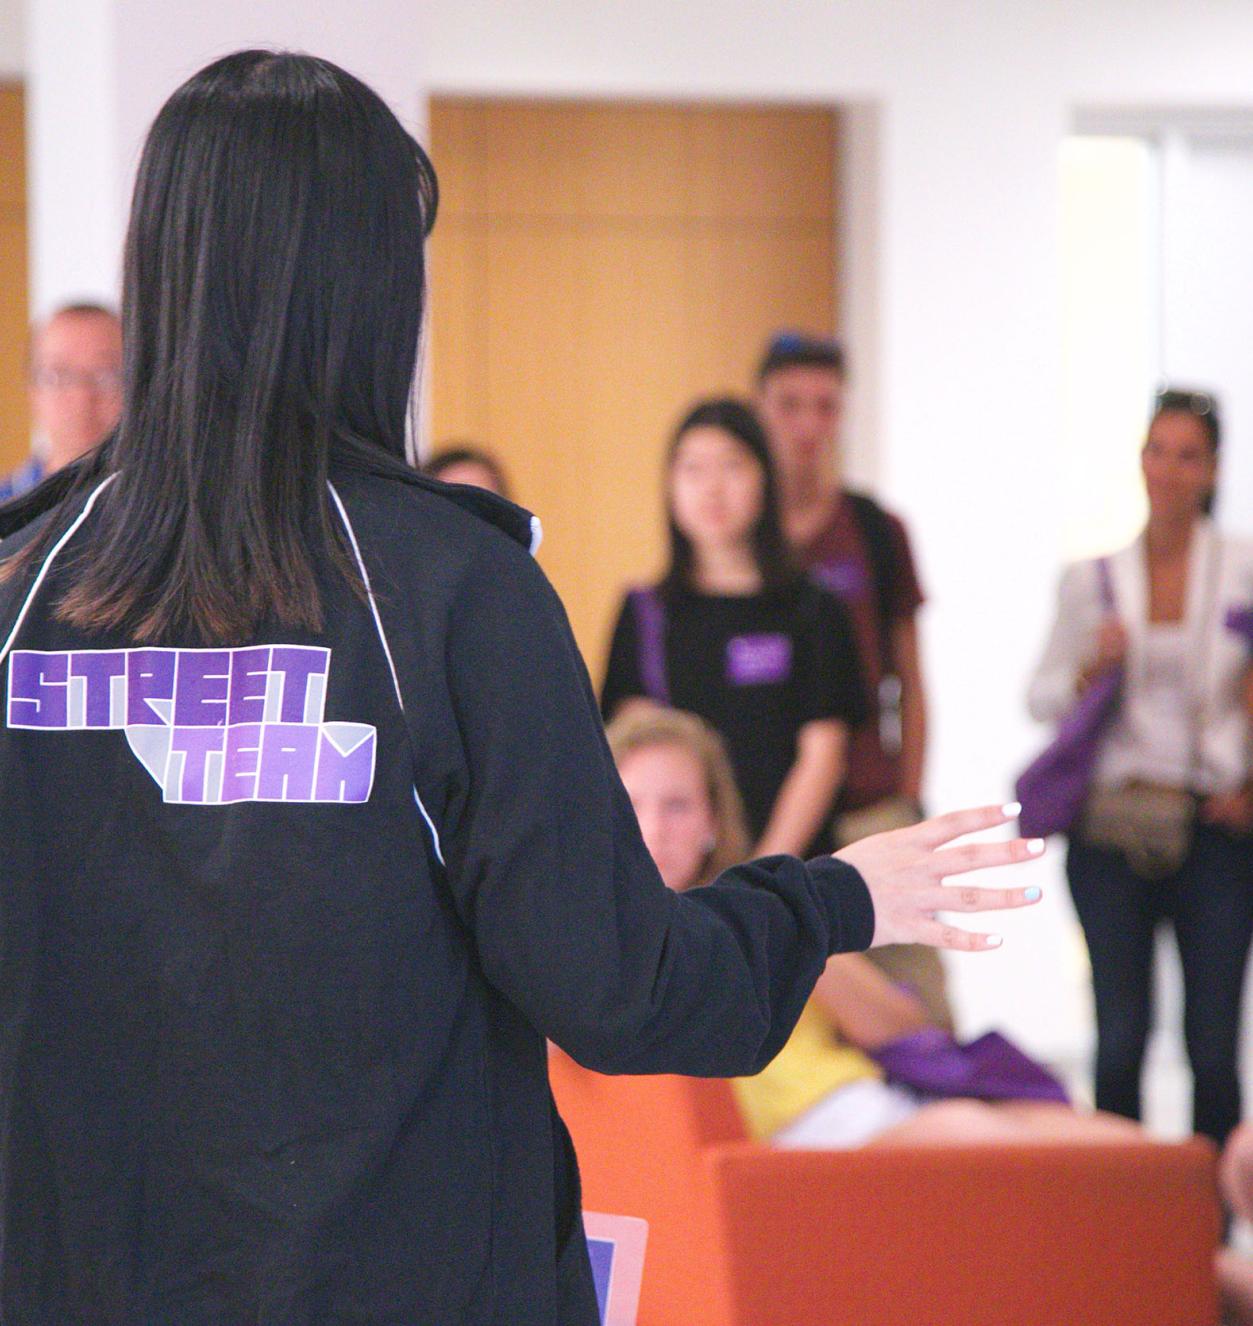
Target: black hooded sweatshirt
[{"x": 283, "y": 928}]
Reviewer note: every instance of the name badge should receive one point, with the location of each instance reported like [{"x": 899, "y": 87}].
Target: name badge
[
  {"x": 845, "y": 577},
  {"x": 759, "y": 660}
]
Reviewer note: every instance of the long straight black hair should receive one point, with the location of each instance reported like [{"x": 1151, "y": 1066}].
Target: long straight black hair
[
  {"x": 769, "y": 544},
  {"x": 272, "y": 305}
]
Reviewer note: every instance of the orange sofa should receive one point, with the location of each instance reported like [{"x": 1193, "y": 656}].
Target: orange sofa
[{"x": 989, "y": 1235}]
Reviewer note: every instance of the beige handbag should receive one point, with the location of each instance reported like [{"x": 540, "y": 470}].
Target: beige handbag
[{"x": 1150, "y": 824}]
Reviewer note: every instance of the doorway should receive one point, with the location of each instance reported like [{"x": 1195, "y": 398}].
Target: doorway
[{"x": 594, "y": 269}]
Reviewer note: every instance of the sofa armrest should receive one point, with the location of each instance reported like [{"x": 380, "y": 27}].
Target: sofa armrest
[{"x": 1092, "y": 1234}]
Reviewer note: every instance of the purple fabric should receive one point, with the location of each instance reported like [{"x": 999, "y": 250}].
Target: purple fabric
[
  {"x": 1240, "y": 620},
  {"x": 990, "y": 1068},
  {"x": 650, "y": 634},
  {"x": 601, "y": 1252},
  {"x": 846, "y": 577},
  {"x": 1053, "y": 788},
  {"x": 759, "y": 660}
]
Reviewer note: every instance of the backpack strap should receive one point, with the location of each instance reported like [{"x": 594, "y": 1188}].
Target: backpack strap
[
  {"x": 650, "y": 637},
  {"x": 875, "y": 527}
]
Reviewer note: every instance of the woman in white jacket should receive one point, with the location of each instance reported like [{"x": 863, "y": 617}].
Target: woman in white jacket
[{"x": 1173, "y": 767}]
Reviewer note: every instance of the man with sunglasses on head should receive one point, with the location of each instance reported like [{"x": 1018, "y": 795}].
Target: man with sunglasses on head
[
  {"x": 860, "y": 552},
  {"x": 75, "y": 390}
]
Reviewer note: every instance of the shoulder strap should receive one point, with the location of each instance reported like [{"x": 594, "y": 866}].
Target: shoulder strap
[
  {"x": 1105, "y": 585},
  {"x": 650, "y": 636},
  {"x": 1201, "y": 658},
  {"x": 876, "y": 531}
]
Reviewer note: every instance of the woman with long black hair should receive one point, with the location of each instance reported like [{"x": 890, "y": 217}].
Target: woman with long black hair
[
  {"x": 736, "y": 633},
  {"x": 311, "y": 835}
]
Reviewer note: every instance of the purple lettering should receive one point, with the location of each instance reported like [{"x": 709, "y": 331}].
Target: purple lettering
[
  {"x": 250, "y": 669},
  {"x": 195, "y": 744},
  {"x": 149, "y": 677},
  {"x": 288, "y": 754},
  {"x": 37, "y": 690},
  {"x": 98, "y": 668},
  {"x": 346, "y": 775},
  {"x": 205, "y": 723},
  {"x": 239, "y": 772},
  {"x": 200, "y": 696},
  {"x": 298, "y": 666}
]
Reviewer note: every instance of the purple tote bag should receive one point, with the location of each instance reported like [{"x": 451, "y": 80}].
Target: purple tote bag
[{"x": 1053, "y": 788}]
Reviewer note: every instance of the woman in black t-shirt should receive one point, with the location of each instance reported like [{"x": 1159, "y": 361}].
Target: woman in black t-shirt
[{"x": 736, "y": 634}]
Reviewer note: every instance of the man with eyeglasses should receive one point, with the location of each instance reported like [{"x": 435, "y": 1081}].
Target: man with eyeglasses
[
  {"x": 75, "y": 390},
  {"x": 861, "y": 553}
]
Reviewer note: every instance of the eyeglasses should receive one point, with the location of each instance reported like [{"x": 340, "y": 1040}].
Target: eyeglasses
[
  {"x": 1192, "y": 402},
  {"x": 101, "y": 381}
]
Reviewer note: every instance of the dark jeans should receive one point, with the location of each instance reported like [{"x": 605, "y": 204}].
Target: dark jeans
[{"x": 1209, "y": 901}]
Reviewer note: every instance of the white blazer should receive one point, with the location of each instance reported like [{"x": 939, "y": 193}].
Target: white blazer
[{"x": 1218, "y": 655}]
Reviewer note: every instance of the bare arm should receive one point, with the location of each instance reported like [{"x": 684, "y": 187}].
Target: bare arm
[
  {"x": 809, "y": 789},
  {"x": 863, "y": 1005},
  {"x": 905, "y": 654}
]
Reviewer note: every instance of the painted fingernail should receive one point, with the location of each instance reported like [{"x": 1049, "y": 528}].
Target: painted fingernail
[
  {"x": 992, "y": 941},
  {"x": 1031, "y": 894},
  {"x": 1012, "y": 810},
  {"x": 1036, "y": 846}
]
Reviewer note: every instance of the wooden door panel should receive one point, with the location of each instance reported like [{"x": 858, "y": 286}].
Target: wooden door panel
[
  {"x": 745, "y": 282},
  {"x": 763, "y": 163},
  {"x": 596, "y": 268},
  {"x": 14, "y": 306},
  {"x": 586, "y": 371},
  {"x": 457, "y": 329}
]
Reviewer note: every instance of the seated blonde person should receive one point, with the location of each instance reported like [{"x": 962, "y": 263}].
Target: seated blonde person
[{"x": 823, "y": 1089}]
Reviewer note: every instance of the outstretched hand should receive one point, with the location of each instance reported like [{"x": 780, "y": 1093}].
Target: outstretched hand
[{"x": 905, "y": 872}]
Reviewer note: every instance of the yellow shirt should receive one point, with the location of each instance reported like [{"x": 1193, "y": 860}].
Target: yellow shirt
[{"x": 812, "y": 1064}]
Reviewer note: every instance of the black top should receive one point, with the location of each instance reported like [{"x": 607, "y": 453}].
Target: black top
[
  {"x": 757, "y": 667},
  {"x": 279, "y": 949}
]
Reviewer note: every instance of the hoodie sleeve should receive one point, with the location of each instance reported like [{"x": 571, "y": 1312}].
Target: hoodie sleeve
[
  {"x": 622, "y": 672},
  {"x": 570, "y": 918}
]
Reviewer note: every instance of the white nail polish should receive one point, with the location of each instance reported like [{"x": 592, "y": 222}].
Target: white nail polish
[
  {"x": 1012, "y": 810},
  {"x": 993, "y": 941},
  {"x": 1036, "y": 847}
]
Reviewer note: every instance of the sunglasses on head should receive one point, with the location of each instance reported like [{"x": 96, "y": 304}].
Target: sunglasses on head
[{"x": 1193, "y": 402}]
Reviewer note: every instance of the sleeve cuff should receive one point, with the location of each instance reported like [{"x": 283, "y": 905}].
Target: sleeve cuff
[{"x": 850, "y": 913}]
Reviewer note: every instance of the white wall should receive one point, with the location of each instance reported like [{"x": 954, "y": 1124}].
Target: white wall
[
  {"x": 1209, "y": 316},
  {"x": 954, "y": 288},
  {"x": 99, "y": 70},
  {"x": 12, "y": 39}
]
